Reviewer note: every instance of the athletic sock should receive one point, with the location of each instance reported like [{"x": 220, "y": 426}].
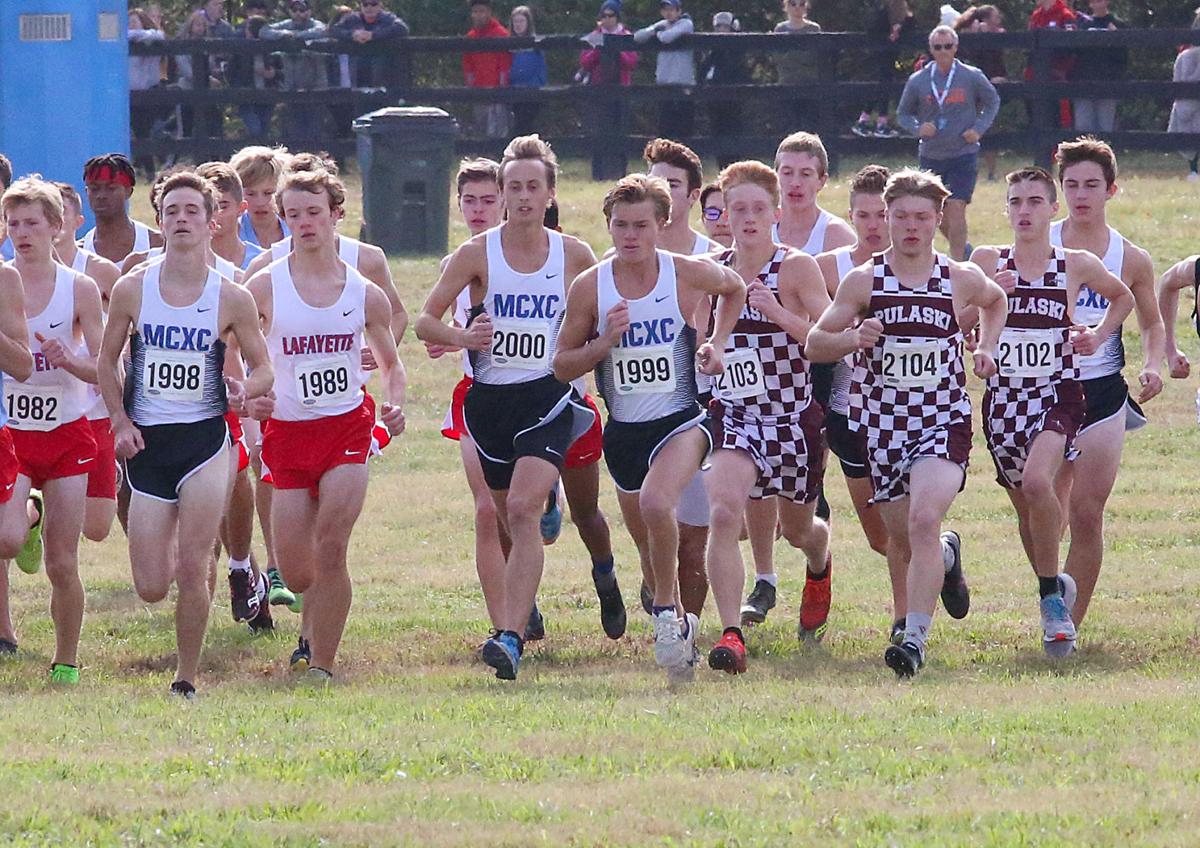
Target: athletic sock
[
  {"x": 916, "y": 628},
  {"x": 655, "y": 610},
  {"x": 817, "y": 575},
  {"x": 737, "y": 631},
  {"x": 771, "y": 578},
  {"x": 1048, "y": 586},
  {"x": 239, "y": 564},
  {"x": 603, "y": 573}
]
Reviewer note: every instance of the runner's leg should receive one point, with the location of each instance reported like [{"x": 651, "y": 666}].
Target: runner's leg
[{"x": 64, "y": 501}]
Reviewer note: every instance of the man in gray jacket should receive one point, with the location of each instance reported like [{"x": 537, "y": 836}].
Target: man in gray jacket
[
  {"x": 949, "y": 106},
  {"x": 303, "y": 71},
  {"x": 676, "y": 119}
]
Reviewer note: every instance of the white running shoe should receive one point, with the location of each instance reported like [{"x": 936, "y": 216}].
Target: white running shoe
[
  {"x": 674, "y": 652},
  {"x": 1058, "y": 631},
  {"x": 1066, "y": 585}
]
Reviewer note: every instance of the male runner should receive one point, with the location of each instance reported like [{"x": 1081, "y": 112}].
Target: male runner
[
  {"x": 6, "y": 248},
  {"x": 681, "y": 168},
  {"x": 521, "y": 418},
  {"x": 177, "y": 315},
  {"x": 109, "y": 180},
  {"x": 101, "y": 506},
  {"x": 803, "y": 168},
  {"x": 633, "y": 319},
  {"x": 1184, "y": 274},
  {"x": 1087, "y": 174},
  {"x": 908, "y": 393},
  {"x": 260, "y": 169},
  {"x": 1034, "y": 405},
  {"x": 318, "y": 313},
  {"x": 768, "y": 430},
  {"x": 713, "y": 216},
  {"x": 233, "y": 253}
]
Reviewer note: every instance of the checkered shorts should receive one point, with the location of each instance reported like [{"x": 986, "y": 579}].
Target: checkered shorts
[
  {"x": 890, "y": 463},
  {"x": 789, "y": 451},
  {"x": 1011, "y": 421}
]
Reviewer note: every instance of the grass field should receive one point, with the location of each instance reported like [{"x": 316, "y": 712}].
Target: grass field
[{"x": 416, "y": 744}]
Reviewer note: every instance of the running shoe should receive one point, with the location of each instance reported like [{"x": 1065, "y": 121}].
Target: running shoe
[
  {"x": 535, "y": 628},
  {"x": 551, "y": 523},
  {"x": 862, "y": 129},
  {"x": 647, "y": 599},
  {"x": 674, "y": 651},
  {"x": 1066, "y": 585},
  {"x": 503, "y": 653},
  {"x": 318, "y": 676},
  {"x": 7, "y": 648},
  {"x": 492, "y": 634},
  {"x": 612, "y": 605},
  {"x": 905, "y": 659},
  {"x": 884, "y": 131},
  {"x": 65, "y": 674},
  {"x": 898, "y": 627},
  {"x": 759, "y": 602},
  {"x": 280, "y": 595},
  {"x": 302, "y": 656},
  {"x": 183, "y": 689},
  {"x": 1058, "y": 631},
  {"x": 262, "y": 622},
  {"x": 814, "y": 605},
  {"x": 243, "y": 594},
  {"x": 29, "y": 558},
  {"x": 956, "y": 595},
  {"x": 729, "y": 654}
]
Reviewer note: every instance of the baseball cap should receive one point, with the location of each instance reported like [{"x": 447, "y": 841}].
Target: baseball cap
[{"x": 724, "y": 19}]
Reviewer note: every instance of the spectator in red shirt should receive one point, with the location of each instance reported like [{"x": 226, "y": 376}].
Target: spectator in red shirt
[
  {"x": 1055, "y": 14},
  {"x": 488, "y": 70},
  {"x": 608, "y": 23}
]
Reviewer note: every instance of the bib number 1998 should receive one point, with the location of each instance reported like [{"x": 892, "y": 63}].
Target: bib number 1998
[{"x": 174, "y": 375}]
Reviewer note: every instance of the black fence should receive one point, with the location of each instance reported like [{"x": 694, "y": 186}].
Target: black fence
[{"x": 610, "y": 123}]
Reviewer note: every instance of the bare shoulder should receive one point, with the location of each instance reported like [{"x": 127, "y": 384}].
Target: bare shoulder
[
  {"x": 800, "y": 263},
  {"x": 966, "y": 272},
  {"x": 1138, "y": 265},
  {"x": 577, "y": 251},
  {"x": 85, "y": 287}
]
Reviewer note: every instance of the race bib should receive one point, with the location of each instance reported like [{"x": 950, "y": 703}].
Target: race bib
[
  {"x": 1027, "y": 353},
  {"x": 643, "y": 370},
  {"x": 174, "y": 375},
  {"x": 742, "y": 377},
  {"x": 521, "y": 343},
  {"x": 33, "y": 407},
  {"x": 324, "y": 381},
  {"x": 911, "y": 364}
]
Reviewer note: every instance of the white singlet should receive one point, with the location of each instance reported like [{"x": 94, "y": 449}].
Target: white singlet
[
  {"x": 816, "y": 236},
  {"x": 316, "y": 351},
  {"x": 51, "y": 396},
  {"x": 347, "y": 249},
  {"x": 843, "y": 369},
  {"x": 141, "y": 239},
  {"x": 1090, "y": 308}
]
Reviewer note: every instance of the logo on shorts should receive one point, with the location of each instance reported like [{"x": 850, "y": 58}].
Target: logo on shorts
[
  {"x": 352, "y": 453},
  {"x": 553, "y": 451},
  {"x": 83, "y": 461}
]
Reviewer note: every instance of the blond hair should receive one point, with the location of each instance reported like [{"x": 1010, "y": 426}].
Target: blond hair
[
  {"x": 750, "y": 171},
  {"x": 223, "y": 177},
  {"x": 258, "y": 164},
  {"x": 530, "y": 147},
  {"x": 34, "y": 189},
  {"x": 804, "y": 142},
  {"x": 637, "y": 188}
]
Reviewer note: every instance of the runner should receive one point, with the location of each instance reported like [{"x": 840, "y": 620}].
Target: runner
[
  {"x": 908, "y": 393},
  {"x": 632, "y": 319},
  {"x": 53, "y": 441},
  {"x": 713, "y": 215},
  {"x": 260, "y": 169},
  {"x": 318, "y": 312},
  {"x": 520, "y": 417},
  {"x": 233, "y": 254},
  {"x": 171, "y": 430},
  {"x": 1034, "y": 405},
  {"x": 1184, "y": 274},
  {"x": 803, "y": 168},
  {"x": 1087, "y": 174},
  {"x": 109, "y": 181},
  {"x": 768, "y": 431},
  {"x": 101, "y": 506}
]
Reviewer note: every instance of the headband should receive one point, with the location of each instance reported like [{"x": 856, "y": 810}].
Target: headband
[{"x": 107, "y": 174}]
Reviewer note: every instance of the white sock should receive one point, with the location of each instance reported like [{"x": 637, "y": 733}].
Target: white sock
[
  {"x": 771, "y": 578},
  {"x": 239, "y": 564},
  {"x": 916, "y": 628}
]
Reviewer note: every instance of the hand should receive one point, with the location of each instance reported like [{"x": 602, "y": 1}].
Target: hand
[
  {"x": 1151, "y": 384},
  {"x": 54, "y": 351},
  {"x": 392, "y": 417},
  {"x": 478, "y": 336},
  {"x": 710, "y": 359},
  {"x": 926, "y": 130},
  {"x": 1007, "y": 280},
  {"x": 368, "y": 360},
  {"x": 869, "y": 332},
  {"x": 362, "y": 36},
  {"x": 971, "y": 137},
  {"x": 616, "y": 322},
  {"x": 235, "y": 396},
  {"x": 260, "y": 408},
  {"x": 1084, "y": 340},
  {"x": 762, "y": 299},
  {"x": 437, "y": 351},
  {"x": 971, "y": 339},
  {"x": 985, "y": 364},
  {"x": 1177, "y": 362},
  {"x": 127, "y": 440}
]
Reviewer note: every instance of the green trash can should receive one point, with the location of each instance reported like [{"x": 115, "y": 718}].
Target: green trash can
[{"x": 406, "y": 155}]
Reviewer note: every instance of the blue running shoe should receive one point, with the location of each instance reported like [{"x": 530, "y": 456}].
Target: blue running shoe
[
  {"x": 551, "y": 523},
  {"x": 503, "y": 653},
  {"x": 1058, "y": 631}
]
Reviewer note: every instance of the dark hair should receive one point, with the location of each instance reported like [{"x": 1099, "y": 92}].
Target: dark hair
[
  {"x": 5, "y": 172},
  {"x": 117, "y": 163},
  {"x": 1087, "y": 149},
  {"x": 676, "y": 155},
  {"x": 872, "y": 179},
  {"x": 254, "y": 25},
  {"x": 711, "y": 188},
  {"x": 193, "y": 181},
  {"x": 1033, "y": 174}
]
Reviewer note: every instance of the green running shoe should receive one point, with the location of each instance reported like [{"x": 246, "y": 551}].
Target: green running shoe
[
  {"x": 279, "y": 594},
  {"x": 63, "y": 673},
  {"x": 29, "y": 559}
]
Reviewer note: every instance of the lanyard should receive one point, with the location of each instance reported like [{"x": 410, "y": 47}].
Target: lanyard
[{"x": 941, "y": 98}]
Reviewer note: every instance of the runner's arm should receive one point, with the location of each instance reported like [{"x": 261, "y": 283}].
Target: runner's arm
[
  {"x": 989, "y": 299},
  {"x": 87, "y": 312},
  {"x": 247, "y": 330},
  {"x": 376, "y": 269},
  {"x": 1150, "y": 324},
  {"x": 379, "y": 338},
  {"x": 464, "y": 265},
  {"x": 1181, "y": 275},
  {"x": 579, "y": 349},
  {"x": 109, "y": 376},
  {"x": 835, "y": 335},
  {"x": 729, "y": 289},
  {"x": 15, "y": 358},
  {"x": 1090, "y": 271}
]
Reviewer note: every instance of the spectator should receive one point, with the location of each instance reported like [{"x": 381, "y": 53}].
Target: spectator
[
  {"x": 207, "y": 21},
  {"x": 260, "y": 72},
  {"x": 990, "y": 60},
  {"x": 608, "y": 23},
  {"x": 1098, "y": 63},
  {"x": 302, "y": 71},
  {"x": 676, "y": 118},
  {"x": 950, "y": 106},
  {"x": 1055, "y": 14},
  {"x": 371, "y": 24},
  {"x": 724, "y": 67},
  {"x": 488, "y": 70},
  {"x": 797, "y": 67},
  {"x": 212, "y": 17},
  {"x": 528, "y": 71},
  {"x": 890, "y": 21},
  {"x": 1185, "y": 114},
  {"x": 145, "y": 72}
]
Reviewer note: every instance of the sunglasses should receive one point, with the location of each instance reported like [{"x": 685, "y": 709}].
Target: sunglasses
[
  {"x": 937, "y": 47},
  {"x": 608, "y": 14},
  {"x": 712, "y": 213}
]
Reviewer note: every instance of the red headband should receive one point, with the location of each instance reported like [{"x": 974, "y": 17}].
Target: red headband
[{"x": 107, "y": 174}]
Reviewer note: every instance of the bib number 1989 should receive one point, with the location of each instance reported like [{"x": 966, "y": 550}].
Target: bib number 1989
[{"x": 323, "y": 382}]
